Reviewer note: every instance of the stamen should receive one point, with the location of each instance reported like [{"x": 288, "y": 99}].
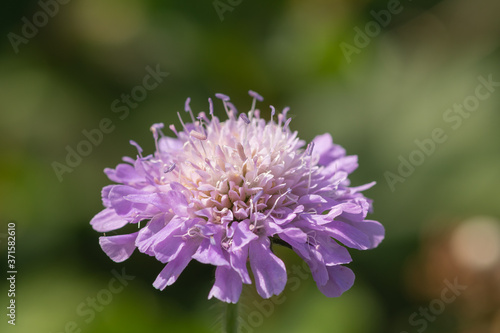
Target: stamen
[
  {"x": 287, "y": 122},
  {"x": 202, "y": 117},
  {"x": 170, "y": 168},
  {"x": 155, "y": 128},
  {"x": 183, "y": 125},
  {"x": 256, "y": 201},
  {"x": 280, "y": 119},
  {"x": 228, "y": 112},
  {"x": 136, "y": 145},
  {"x": 201, "y": 124},
  {"x": 194, "y": 231},
  {"x": 255, "y": 95},
  {"x": 309, "y": 148},
  {"x": 273, "y": 112},
  {"x": 276, "y": 202},
  {"x": 244, "y": 117},
  {"x": 187, "y": 108},
  {"x": 215, "y": 121},
  {"x": 285, "y": 110},
  {"x": 232, "y": 108},
  {"x": 211, "y": 107},
  {"x": 189, "y": 135},
  {"x": 198, "y": 135},
  {"x": 291, "y": 198},
  {"x": 258, "y": 195},
  {"x": 172, "y": 128},
  {"x": 223, "y": 97}
]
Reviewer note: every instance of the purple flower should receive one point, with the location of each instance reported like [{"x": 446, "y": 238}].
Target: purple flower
[{"x": 222, "y": 192}]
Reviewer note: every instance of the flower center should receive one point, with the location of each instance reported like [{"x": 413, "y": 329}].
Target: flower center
[{"x": 239, "y": 168}]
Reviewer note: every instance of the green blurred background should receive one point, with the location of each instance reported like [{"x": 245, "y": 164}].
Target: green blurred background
[{"x": 441, "y": 222}]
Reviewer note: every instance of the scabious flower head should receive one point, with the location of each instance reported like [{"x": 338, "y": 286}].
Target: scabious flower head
[{"x": 222, "y": 192}]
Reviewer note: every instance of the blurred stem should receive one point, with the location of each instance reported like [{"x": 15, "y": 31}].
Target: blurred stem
[{"x": 232, "y": 318}]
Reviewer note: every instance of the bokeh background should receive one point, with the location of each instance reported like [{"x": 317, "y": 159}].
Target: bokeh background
[{"x": 395, "y": 87}]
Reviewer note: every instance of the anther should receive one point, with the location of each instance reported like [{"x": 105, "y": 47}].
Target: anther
[
  {"x": 285, "y": 110},
  {"x": 170, "y": 168},
  {"x": 232, "y": 108},
  {"x": 244, "y": 117},
  {"x": 172, "y": 128},
  {"x": 202, "y": 117},
  {"x": 200, "y": 123},
  {"x": 287, "y": 122},
  {"x": 136, "y": 145},
  {"x": 310, "y": 148},
  {"x": 223, "y": 97},
  {"x": 155, "y": 128},
  {"x": 198, "y": 135},
  {"x": 255, "y": 95},
  {"x": 225, "y": 100},
  {"x": 280, "y": 118},
  {"x": 210, "y": 107}
]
